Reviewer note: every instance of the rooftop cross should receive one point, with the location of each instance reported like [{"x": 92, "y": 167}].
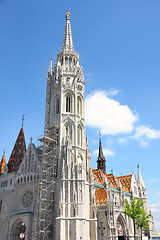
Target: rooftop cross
[{"x": 22, "y": 120}]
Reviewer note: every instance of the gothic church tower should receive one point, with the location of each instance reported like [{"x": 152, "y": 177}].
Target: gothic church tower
[{"x": 74, "y": 215}]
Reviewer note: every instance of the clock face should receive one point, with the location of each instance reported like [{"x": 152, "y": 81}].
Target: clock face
[{"x": 27, "y": 198}]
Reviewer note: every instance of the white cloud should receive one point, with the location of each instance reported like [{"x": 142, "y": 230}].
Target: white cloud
[
  {"x": 112, "y": 92},
  {"x": 108, "y": 115},
  {"x": 106, "y": 152},
  {"x": 151, "y": 180},
  {"x": 144, "y": 134}
]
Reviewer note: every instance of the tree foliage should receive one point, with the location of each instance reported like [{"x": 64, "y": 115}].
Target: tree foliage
[{"x": 136, "y": 211}]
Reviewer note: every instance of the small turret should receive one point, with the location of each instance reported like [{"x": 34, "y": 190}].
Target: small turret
[
  {"x": 140, "y": 179},
  {"x": 101, "y": 161}
]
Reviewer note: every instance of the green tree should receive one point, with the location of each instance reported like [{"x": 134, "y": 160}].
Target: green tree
[
  {"x": 143, "y": 221},
  {"x": 133, "y": 210}
]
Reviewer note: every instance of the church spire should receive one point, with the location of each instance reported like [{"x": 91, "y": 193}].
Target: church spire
[
  {"x": 101, "y": 162},
  {"x": 67, "y": 41},
  {"x": 17, "y": 152},
  {"x": 140, "y": 179}
]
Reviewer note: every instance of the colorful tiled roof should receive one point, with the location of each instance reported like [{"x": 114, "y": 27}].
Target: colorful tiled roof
[
  {"x": 2, "y": 164},
  {"x": 113, "y": 181},
  {"x": 17, "y": 153},
  {"x": 101, "y": 197},
  {"x": 125, "y": 182},
  {"x": 98, "y": 176}
]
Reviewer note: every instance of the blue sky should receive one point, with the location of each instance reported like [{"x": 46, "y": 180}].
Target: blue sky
[{"x": 119, "y": 46}]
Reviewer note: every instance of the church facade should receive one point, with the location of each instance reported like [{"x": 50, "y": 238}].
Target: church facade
[{"x": 51, "y": 192}]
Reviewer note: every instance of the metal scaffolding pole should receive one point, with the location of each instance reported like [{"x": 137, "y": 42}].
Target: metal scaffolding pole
[{"x": 45, "y": 195}]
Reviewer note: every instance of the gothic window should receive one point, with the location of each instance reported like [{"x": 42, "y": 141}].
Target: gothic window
[
  {"x": 22, "y": 169},
  {"x": 26, "y": 164},
  {"x": 57, "y": 105},
  {"x": 68, "y": 128},
  {"x": 32, "y": 165},
  {"x": 27, "y": 198},
  {"x": 29, "y": 161},
  {"x": 68, "y": 102},
  {"x": 0, "y": 205},
  {"x": 79, "y": 135},
  {"x": 79, "y": 106}
]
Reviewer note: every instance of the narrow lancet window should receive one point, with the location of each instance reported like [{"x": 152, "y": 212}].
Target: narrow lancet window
[
  {"x": 79, "y": 106},
  {"x": 79, "y": 131},
  {"x": 57, "y": 105},
  {"x": 68, "y": 103}
]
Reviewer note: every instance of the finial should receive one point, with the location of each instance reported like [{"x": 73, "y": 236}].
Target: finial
[
  {"x": 68, "y": 15},
  {"x": 51, "y": 66},
  {"x": 4, "y": 153},
  {"x": 31, "y": 139},
  {"x": 22, "y": 120},
  {"x": 111, "y": 171},
  {"x": 99, "y": 135},
  {"x": 138, "y": 166}
]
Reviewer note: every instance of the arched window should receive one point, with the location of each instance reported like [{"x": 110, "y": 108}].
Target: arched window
[
  {"x": 68, "y": 128},
  {"x": 79, "y": 106},
  {"x": 29, "y": 161},
  {"x": 26, "y": 164},
  {"x": 79, "y": 135},
  {"x": 68, "y": 102},
  {"x": 57, "y": 105},
  {"x": 22, "y": 169}
]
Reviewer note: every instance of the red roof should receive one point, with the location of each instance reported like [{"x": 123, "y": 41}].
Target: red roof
[
  {"x": 2, "y": 164},
  {"x": 125, "y": 182},
  {"x": 98, "y": 176},
  {"x": 17, "y": 152},
  {"x": 101, "y": 197},
  {"x": 114, "y": 182}
]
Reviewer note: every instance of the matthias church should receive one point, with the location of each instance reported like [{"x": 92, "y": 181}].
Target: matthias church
[{"x": 51, "y": 192}]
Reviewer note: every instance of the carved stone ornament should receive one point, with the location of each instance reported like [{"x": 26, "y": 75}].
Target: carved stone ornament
[{"x": 27, "y": 198}]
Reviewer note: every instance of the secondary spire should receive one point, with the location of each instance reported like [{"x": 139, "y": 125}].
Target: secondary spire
[
  {"x": 67, "y": 41},
  {"x": 101, "y": 161}
]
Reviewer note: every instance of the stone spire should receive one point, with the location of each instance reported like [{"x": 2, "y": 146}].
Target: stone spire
[
  {"x": 51, "y": 66},
  {"x": 67, "y": 41},
  {"x": 140, "y": 179},
  {"x": 101, "y": 162}
]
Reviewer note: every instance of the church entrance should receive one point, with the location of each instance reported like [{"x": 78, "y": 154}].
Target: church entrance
[
  {"x": 121, "y": 228},
  {"x": 120, "y": 237},
  {"x": 18, "y": 228}
]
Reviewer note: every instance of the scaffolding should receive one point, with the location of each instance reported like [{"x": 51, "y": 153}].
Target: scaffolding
[{"x": 45, "y": 196}]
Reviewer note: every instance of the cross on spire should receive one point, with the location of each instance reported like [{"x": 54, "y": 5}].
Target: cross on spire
[{"x": 22, "y": 120}]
